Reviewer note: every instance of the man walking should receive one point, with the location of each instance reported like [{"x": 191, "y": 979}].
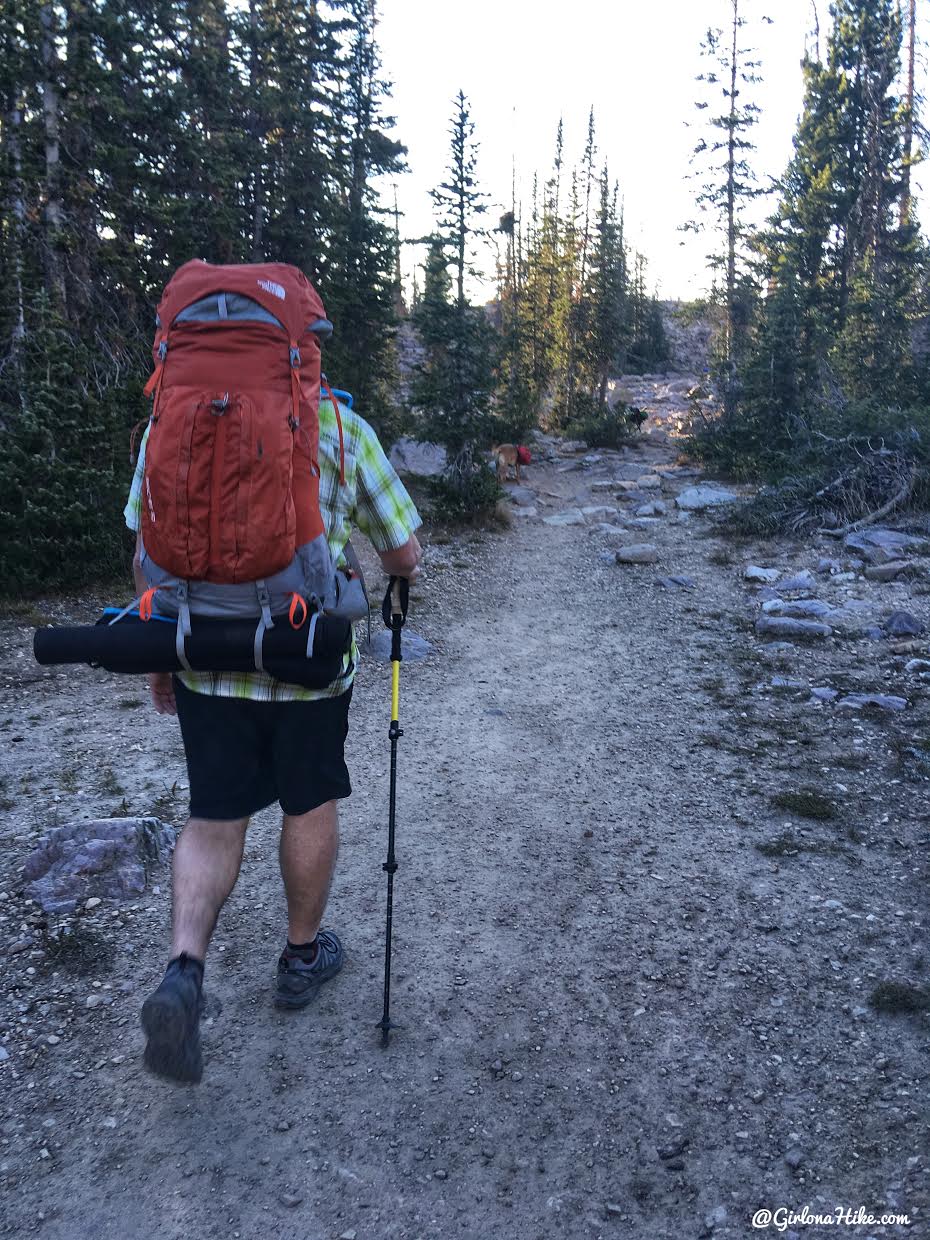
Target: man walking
[{"x": 249, "y": 741}]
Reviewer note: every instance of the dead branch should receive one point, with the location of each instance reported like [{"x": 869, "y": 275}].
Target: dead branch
[{"x": 896, "y": 500}]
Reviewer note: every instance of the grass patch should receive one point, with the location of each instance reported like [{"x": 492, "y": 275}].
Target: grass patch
[
  {"x": 80, "y": 950},
  {"x": 22, "y": 611},
  {"x": 788, "y": 845},
  {"x": 851, "y": 761},
  {"x": 899, "y": 997},
  {"x": 129, "y": 703},
  {"x": 722, "y": 557},
  {"x": 806, "y": 804},
  {"x": 783, "y": 845},
  {"x": 69, "y": 780},
  {"x": 110, "y": 784},
  {"x": 164, "y": 805}
]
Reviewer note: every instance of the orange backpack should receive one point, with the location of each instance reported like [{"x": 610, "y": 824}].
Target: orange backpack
[{"x": 231, "y": 523}]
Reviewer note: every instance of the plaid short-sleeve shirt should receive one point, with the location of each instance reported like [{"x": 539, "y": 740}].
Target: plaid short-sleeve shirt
[{"x": 373, "y": 500}]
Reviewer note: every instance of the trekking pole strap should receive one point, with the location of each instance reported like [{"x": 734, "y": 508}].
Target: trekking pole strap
[
  {"x": 394, "y": 613},
  {"x": 396, "y": 600}
]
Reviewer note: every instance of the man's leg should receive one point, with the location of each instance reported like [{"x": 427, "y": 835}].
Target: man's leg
[
  {"x": 309, "y": 844},
  {"x": 206, "y": 865}
]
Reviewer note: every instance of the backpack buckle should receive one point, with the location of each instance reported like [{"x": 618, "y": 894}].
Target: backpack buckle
[
  {"x": 295, "y": 356},
  {"x": 220, "y": 404},
  {"x": 163, "y": 350}
]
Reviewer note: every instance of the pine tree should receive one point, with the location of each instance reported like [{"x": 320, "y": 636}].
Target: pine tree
[
  {"x": 721, "y": 159},
  {"x": 609, "y": 325},
  {"x": 454, "y": 386},
  {"x": 842, "y": 267},
  {"x": 361, "y": 282},
  {"x": 458, "y": 200}
]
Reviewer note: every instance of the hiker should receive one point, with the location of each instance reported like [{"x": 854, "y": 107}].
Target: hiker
[{"x": 251, "y": 740}]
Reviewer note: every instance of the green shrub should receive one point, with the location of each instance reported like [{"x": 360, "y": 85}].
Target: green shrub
[
  {"x": 466, "y": 494},
  {"x": 599, "y": 426}
]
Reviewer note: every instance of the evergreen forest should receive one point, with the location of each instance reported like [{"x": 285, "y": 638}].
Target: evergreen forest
[{"x": 137, "y": 134}]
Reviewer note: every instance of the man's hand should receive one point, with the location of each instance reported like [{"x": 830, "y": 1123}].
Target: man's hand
[
  {"x": 161, "y": 687},
  {"x": 403, "y": 561}
]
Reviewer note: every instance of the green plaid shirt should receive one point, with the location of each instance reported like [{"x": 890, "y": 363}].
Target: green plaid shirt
[{"x": 373, "y": 500}]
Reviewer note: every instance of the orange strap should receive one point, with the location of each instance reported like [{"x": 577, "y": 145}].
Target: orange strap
[
  {"x": 342, "y": 451},
  {"x": 298, "y": 603},
  {"x": 145, "y": 603},
  {"x": 155, "y": 378}
]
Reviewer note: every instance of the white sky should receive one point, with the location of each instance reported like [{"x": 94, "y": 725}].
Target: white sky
[{"x": 525, "y": 63}]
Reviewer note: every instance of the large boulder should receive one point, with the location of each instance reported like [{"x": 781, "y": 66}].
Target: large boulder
[
  {"x": 424, "y": 460},
  {"x": 107, "y": 858}
]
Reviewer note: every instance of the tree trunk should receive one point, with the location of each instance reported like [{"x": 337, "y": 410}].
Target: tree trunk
[
  {"x": 78, "y": 142},
  {"x": 17, "y": 208},
  {"x": 731, "y": 195},
  {"x": 255, "y": 128},
  {"x": 905, "y": 208},
  {"x": 53, "y": 207}
]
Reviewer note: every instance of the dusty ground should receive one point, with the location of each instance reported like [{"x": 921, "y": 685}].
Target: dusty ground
[{"x": 621, "y": 1018}]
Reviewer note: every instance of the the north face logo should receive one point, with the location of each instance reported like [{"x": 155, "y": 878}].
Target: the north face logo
[{"x": 277, "y": 290}]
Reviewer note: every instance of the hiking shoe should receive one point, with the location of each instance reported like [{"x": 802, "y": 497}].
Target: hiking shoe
[
  {"x": 298, "y": 981},
  {"x": 171, "y": 1020}
]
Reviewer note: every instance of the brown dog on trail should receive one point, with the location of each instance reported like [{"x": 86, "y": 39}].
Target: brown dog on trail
[{"x": 506, "y": 455}]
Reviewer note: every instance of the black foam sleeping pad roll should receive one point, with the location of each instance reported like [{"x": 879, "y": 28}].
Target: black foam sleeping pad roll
[{"x": 133, "y": 646}]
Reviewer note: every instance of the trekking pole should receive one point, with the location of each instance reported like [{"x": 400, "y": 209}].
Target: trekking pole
[{"x": 394, "y": 613}]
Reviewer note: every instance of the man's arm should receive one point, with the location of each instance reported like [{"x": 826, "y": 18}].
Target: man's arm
[{"x": 384, "y": 511}]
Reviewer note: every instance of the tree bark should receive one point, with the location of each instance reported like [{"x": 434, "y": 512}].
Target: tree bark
[
  {"x": 905, "y": 207},
  {"x": 731, "y": 194},
  {"x": 255, "y": 128},
  {"x": 54, "y": 216},
  {"x": 17, "y": 206}
]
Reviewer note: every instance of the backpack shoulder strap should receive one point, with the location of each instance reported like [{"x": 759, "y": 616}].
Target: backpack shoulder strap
[{"x": 342, "y": 449}]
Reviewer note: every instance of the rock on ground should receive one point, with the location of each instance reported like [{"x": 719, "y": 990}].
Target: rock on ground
[
  {"x": 571, "y": 516},
  {"x": 638, "y": 553},
  {"x": 785, "y": 627},
  {"x": 413, "y": 647},
  {"x": 696, "y": 499},
  {"x": 100, "y": 858}
]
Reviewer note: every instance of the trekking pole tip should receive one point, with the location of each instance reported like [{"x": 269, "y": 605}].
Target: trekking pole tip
[{"x": 385, "y": 1024}]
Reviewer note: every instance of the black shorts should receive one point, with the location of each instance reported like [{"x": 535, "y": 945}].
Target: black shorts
[{"x": 242, "y": 756}]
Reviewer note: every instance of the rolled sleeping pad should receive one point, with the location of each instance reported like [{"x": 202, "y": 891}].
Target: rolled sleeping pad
[{"x": 131, "y": 645}]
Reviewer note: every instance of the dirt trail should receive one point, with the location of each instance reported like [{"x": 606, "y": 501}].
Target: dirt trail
[{"x": 619, "y": 1016}]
